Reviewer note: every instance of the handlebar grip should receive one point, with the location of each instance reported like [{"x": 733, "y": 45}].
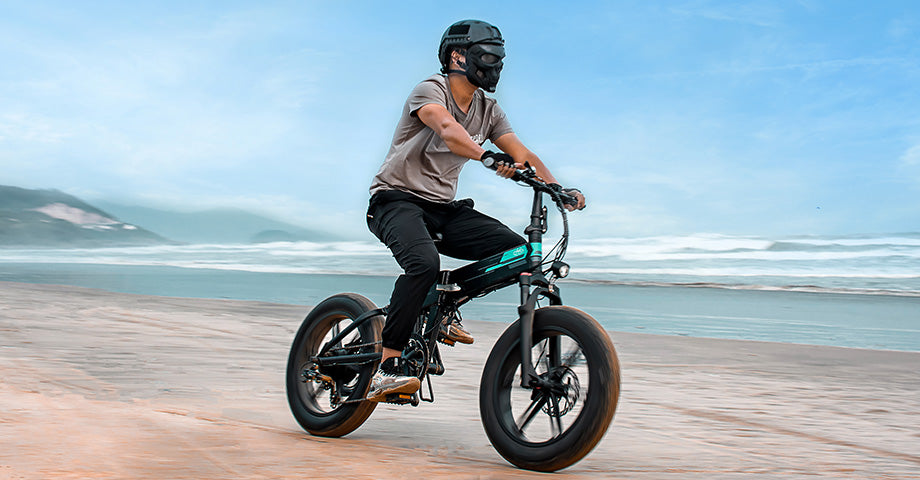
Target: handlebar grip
[
  {"x": 568, "y": 199},
  {"x": 492, "y": 163},
  {"x": 520, "y": 176}
]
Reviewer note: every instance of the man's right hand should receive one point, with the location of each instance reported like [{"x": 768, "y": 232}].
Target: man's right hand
[{"x": 505, "y": 166}]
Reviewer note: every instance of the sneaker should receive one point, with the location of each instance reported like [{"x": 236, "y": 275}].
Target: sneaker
[
  {"x": 452, "y": 331},
  {"x": 391, "y": 379}
]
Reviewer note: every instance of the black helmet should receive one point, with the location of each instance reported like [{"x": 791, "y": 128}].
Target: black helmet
[{"x": 484, "y": 62}]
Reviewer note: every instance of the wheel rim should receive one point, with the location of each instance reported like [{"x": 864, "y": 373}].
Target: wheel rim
[{"x": 544, "y": 416}]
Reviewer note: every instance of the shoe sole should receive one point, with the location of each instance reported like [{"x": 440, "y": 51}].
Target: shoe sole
[
  {"x": 453, "y": 338},
  {"x": 408, "y": 388},
  {"x": 465, "y": 340}
]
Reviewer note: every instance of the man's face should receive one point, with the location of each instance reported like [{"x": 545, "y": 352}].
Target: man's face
[
  {"x": 487, "y": 55},
  {"x": 483, "y": 64}
]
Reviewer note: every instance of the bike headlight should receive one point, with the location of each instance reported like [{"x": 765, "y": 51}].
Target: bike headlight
[{"x": 561, "y": 269}]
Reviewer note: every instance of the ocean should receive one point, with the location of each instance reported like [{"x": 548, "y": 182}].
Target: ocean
[{"x": 859, "y": 291}]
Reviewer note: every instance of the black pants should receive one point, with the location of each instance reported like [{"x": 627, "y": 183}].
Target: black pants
[{"x": 406, "y": 224}]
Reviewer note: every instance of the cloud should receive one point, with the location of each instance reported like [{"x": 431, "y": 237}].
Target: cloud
[
  {"x": 673, "y": 113},
  {"x": 911, "y": 157},
  {"x": 812, "y": 68},
  {"x": 749, "y": 13},
  {"x": 28, "y": 128},
  {"x": 910, "y": 163},
  {"x": 903, "y": 28},
  {"x": 161, "y": 105}
]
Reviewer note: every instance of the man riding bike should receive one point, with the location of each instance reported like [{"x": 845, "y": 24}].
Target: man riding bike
[{"x": 444, "y": 123}]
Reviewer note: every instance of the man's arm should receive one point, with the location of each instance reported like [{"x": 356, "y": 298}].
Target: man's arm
[
  {"x": 459, "y": 142},
  {"x": 454, "y": 135},
  {"x": 510, "y": 144}
]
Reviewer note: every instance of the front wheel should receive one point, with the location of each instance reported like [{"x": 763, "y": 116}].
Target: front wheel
[
  {"x": 329, "y": 401},
  {"x": 550, "y": 428}
]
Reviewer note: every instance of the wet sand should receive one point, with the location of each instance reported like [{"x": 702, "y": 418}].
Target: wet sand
[{"x": 108, "y": 385}]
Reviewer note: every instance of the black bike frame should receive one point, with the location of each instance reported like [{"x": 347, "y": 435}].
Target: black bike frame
[{"x": 521, "y": 265}]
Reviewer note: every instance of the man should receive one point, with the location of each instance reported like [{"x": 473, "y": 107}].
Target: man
[{"x": 444, "y": 123}]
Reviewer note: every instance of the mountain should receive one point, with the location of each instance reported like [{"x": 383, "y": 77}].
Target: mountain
[
  {"x": 50, "y": 218},
  {"x": 224, "y": 225}
]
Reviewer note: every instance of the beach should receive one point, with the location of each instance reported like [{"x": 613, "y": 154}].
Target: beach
[{"x": 99, "y": 384}]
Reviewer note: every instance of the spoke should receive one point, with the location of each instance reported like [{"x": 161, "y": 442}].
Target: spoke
[
  {"x": 555, "y": 420},
  {"x": 541, "y": 356},
  {"x": 571, "y": 358},
  {"x": 530, "y": 413},
  {"x": 335, "y": 332}
]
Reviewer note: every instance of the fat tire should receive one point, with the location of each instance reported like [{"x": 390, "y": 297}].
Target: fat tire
[
  {"x": 347, "y": 417},
  {"x": 599, "y": 407}
]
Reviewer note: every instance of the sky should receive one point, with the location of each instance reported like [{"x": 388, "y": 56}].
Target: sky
[{"x": 788, "y": 117}]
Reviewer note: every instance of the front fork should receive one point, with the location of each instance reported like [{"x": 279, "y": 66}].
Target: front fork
[{"x": 529, "y": 297}]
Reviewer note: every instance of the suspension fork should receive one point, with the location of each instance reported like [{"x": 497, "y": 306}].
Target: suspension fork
[
  {"x": 525, "y": 313},
  {"x": 529, "y": 377},
  {"x": 534, "y": 232}
]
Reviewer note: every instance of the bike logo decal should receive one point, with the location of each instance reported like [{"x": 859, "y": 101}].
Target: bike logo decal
[{"x": 510, "y": 256}]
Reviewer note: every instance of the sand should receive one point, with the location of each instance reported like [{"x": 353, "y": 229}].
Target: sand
[{"x": 107, "y": 385}]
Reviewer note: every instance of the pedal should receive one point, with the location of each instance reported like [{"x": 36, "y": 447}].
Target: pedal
[
  {"x": 446, "y": 341},
  {"x": 402, "y": 399}
]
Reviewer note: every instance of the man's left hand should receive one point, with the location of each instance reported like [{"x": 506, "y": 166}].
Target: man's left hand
[{"x": 578, "y": 196}]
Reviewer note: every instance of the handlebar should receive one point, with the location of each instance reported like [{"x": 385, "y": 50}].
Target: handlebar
[{"x": 529, "y": 176}]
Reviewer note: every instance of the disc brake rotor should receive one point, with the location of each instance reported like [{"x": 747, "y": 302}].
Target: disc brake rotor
[{"x": 565, "y": 391}]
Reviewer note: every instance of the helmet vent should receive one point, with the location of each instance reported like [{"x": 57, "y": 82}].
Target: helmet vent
[{"x": 459, "y": 30}]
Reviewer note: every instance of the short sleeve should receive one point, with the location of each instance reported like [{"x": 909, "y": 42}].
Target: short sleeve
[
  {"x": 500, "y": 123},
  {"x": 429, "y": 91}
]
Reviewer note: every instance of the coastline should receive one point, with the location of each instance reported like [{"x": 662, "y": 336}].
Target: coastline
[
  {"x": 115, "y": 385},
  {"x": 871, "y": 321}
]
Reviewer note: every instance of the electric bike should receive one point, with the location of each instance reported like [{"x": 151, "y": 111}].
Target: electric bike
[{"x": 549, "y": 388}]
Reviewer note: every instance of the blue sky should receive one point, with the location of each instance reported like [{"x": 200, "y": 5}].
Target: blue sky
[{"x": 782, "y": 117}]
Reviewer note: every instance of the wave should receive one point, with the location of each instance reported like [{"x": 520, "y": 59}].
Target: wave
[
  {"x": 703, "y": 247},
  {"x": 864, "y": 264},
  {"x": 742, "y": 273},
  {"x": 771, "y": 288}
]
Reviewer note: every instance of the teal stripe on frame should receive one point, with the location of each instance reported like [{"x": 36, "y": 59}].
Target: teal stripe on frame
[{"x": 509, "y": 257}]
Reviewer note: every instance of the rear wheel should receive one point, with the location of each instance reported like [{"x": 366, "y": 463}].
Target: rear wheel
[
  {"x": 553, "y": 426},
  {"x": 328, "y": 401}
]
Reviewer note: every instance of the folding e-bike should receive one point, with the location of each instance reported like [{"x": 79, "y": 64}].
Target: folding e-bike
[{"x": 549, "y": 388}]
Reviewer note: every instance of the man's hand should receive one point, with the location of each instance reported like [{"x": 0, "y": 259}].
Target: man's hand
[
  {"x": 578, "y": 196},
  {"x": 505, "y": 166},
  {"x": 572, "y": 192}
]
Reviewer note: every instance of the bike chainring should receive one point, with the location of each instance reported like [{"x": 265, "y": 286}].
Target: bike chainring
[{"x": 416, "y": 356}]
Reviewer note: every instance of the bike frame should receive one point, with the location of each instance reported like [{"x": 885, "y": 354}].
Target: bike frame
[{"x": 522, "y": 265}]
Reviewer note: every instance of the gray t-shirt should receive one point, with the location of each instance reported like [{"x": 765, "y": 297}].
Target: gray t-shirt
[{"x": 419, "y": 162}]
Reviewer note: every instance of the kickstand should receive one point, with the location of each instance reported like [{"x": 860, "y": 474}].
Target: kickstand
[{"x": 430, "y": 391}]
